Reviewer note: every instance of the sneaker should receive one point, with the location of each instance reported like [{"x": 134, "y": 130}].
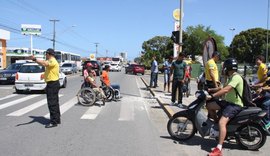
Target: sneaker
[
  {"x": 180, "y": 105},
  {"x": 215, "y": 152},
  {"x": 266, "y": 126},
  {"x": 172, "y": 104}
]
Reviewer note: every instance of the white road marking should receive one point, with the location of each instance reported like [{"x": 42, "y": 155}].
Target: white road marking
[
  {"x": 65, "y": 107},
  {"x": 127, "y": 109},
  {"x": 6, "y": 87},
  {"x": 92, "y": 112},
  {"x": 9, "y": 96},
  {"x": 29, "y": 108},
  {"x": 17, "y": 101}
]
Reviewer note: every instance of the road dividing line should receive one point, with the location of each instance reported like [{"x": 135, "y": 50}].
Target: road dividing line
[
  {"x": 92, "y": 113},
  {"x": 9, "y": 96},
  {"x": 15, "y": 102},
  {"x": 65, "y": 107},
  {"x": 29, "y": 108}
]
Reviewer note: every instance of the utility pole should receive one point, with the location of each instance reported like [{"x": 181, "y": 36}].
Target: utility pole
[
  {"x": 54, "y": 20},
  {"x": 96, "y": 48}
]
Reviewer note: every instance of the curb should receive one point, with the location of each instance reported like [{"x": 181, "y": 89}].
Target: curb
[{"x": 164, "y": 106}]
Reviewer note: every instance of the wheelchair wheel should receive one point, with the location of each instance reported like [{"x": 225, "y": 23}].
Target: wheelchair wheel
[
  {"x": 109, "y": 93},
  {"x": 86, "y": 96}
]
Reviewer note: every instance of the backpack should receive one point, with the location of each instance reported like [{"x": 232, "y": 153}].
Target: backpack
[{"x": 247, "y": 95}]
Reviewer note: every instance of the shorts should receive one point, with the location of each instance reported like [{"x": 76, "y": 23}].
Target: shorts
[{"x": 228, "y": 109}]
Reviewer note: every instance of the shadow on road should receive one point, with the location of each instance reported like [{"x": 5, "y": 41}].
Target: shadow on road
[
  {"x": 205, "y": 143},
  {"x": 39, "y": 119}
]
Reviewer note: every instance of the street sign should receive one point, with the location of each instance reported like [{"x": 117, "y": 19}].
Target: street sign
[
  {"x": 208, "y": 49},
  {"x": 92, "y": 57},
  {"x": 30, "y": 29}
]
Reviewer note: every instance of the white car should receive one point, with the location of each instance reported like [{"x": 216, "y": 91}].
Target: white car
[
  {"x": 31, "y": 77},
  {"x": 115, "y": 67}
]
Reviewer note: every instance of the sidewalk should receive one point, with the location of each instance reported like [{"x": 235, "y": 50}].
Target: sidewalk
[{"x": 164, "y": 98}]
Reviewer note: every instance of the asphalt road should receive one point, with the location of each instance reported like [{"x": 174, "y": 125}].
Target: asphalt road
[{"x": 134, "y": 126}]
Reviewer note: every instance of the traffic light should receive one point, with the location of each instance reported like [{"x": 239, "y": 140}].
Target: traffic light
[{"x": 175, "y": 36}]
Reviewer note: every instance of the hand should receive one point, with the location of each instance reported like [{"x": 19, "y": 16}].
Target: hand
[
  {"x": 259, "y": 90},
  {"x": 209, "y": 97},
  {"x": 32, "y": 57}
]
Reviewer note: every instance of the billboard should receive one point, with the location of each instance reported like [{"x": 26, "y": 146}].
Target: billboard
[{"x": 30, "y": 29}]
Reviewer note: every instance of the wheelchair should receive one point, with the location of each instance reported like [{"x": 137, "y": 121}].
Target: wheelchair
[
  {"x": 87, "y": 96},
  {"x": 112, "y": 94}
]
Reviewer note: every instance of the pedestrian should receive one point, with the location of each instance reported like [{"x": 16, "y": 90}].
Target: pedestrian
[
  {"x": 178, "y": 70},
  {"x": 262, "y": 69},
  {"x": 154, "y": 72},
  {"x": 51, "y": 77},
  {"x": 167, "y": 68},
  {"x": 230, "y": 106},
  {"x": 211, "y": 71}
]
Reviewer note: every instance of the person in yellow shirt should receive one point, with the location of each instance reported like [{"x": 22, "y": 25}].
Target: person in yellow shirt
[
  {"x": 51, "y": 77},
  {"x": 211, "y": 71},
  {"x": 262, "y": 69}
]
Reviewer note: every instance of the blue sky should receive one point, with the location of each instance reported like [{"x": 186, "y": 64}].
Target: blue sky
[{"x": 123, "y": 25}]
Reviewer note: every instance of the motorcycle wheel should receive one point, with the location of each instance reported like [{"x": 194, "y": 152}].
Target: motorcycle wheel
[
  {"x": 250, "y": 137},
  {"x": 86, "y": 96},
  {"x": 181, "y": 128}
]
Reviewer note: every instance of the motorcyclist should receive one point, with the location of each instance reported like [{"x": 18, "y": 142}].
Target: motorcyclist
[{"x": 230, "y": 106}]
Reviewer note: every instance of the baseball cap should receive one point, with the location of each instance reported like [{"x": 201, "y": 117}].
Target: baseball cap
[{"x": 50, "y": 51}]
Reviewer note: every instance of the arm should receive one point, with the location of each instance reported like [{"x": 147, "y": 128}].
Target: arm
[
  {"x": 222, "y": 91},
  {"x": 40, "y": 62}
]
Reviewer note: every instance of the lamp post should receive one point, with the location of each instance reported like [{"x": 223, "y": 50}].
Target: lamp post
[
  {"x": 267, "y": 34},
  {"x": 232, "y": 29}
]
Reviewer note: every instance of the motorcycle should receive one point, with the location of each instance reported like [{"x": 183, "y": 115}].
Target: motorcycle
[{"x": 245, "y": 128}]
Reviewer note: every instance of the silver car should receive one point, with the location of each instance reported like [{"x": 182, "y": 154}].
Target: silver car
[{"x": 69, "y": 68}]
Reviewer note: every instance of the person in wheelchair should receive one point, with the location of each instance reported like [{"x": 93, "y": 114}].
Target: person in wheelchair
[
  {"x": 90, "y": 80},
  {"x": 105, "y": 80}
]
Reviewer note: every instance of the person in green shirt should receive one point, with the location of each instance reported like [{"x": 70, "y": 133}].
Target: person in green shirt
[
  {"x": 230, "y": 106},
  {"x": 178, "y": 70}
]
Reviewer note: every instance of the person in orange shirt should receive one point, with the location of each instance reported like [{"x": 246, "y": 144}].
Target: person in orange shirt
[{"x": 106, "y": 80}]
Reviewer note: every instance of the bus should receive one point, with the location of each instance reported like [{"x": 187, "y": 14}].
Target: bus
[
  {"x": 14, "y": 53},
  {"x": 68, "y": 57}
]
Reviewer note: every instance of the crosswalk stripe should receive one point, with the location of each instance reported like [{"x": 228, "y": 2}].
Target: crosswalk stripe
[
  {"x": 29, "y": 108},
  {"x": 17, "y": 101},
  {"x": 92, "y": 112},
  {"x": 126, "y": 111},
  {"x": 64, "y": 107},
  {"x": 9, "y": 96}
]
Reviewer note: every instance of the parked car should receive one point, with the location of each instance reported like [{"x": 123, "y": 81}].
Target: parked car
[
  {"x": 69, "y": 68},
  {"x": 135, "y": 69},
  {"x": 31, "y": 77},
  {"x": 115, "y": 67},
  {"x": 96, "y": 66},
  {"x": 8, "y": 75}
]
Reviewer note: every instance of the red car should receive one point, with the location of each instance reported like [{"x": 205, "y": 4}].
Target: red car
[{"x": 135, "y": 69}]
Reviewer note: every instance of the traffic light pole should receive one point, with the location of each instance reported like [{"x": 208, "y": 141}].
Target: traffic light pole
[{"x": 180, "y": 26}]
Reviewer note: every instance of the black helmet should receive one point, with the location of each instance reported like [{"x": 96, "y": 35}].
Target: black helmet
[{"x": 230, "y": 64}]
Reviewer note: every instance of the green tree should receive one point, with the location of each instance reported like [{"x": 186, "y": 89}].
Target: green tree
[
  {"x": 248, "y": 44},
  {"x": 160, "y": 46},
  {"x": 196, "y": 36}
]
